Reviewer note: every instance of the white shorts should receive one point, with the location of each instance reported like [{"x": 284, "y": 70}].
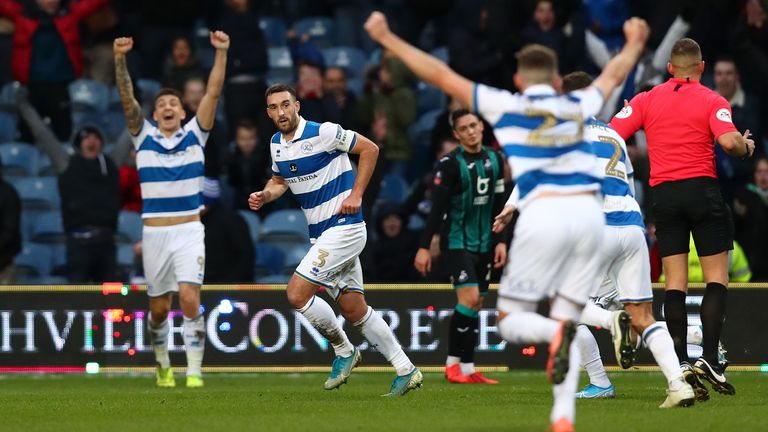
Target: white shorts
[
  {"x": 333, "y": 263},
  {"x": 172, "y": 255},
  {"x": 626, "y": 266},
  {"x": 555, "y": 251}
]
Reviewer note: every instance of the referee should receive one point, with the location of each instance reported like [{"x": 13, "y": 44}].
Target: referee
[
  {"x": 681, "y": 119},
  {"x": 467, "y": 192}
]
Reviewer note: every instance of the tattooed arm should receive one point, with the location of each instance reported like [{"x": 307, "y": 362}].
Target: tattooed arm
[{"x": 131, "y": 107}]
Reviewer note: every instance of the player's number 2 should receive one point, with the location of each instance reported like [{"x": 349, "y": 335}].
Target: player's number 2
[{"x": 610, "y": 168}]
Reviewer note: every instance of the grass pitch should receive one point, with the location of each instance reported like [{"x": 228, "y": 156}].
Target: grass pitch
[{"x": 291, "y": 402}]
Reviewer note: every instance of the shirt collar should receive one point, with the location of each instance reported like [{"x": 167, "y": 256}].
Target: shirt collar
[
  {"x": 684, "y": 81},
  {"x": 296, "y": 135},
  {"x": 738, "y": 98},
  {"x": 176, "y": 134},
  {"x": 539, "y": 90}
]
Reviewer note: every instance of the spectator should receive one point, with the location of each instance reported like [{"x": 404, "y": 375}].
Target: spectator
[
  {"x": 309, "y": 91},
  {"x": 229, "y": 254},
  {"x": 10, "y": 229},
  {"x": 246, "y": 65},
  {"x": 750, "y": 210},
  {"x": 47, "y": 56},
  {"x": 745, "y": 106},
  {"x": 90, "y": 197},
  {"x": 161, "y": 23},
  {"x": 130, "y": 188},
  {"x": 339, "y": 103},
  {"x": 181, "y": 65},
  {"x": 388, "y": 108},
  {"x": 543, "y": 30},
  {"x": 249, "y": 166},
  {"x": 393, "y": 253},
  {"x": 192, "y": 94}
]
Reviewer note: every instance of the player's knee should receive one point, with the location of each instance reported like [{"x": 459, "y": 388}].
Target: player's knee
[
  {"x": 642, "y": 316},
  {"x": 158, "y": 314},
  {"x": 298, "y": 297}
]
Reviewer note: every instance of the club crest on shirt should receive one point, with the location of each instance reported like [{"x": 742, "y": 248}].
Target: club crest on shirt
[
  {"x": 306, "y": 147},
  {"x": 293, "y": 167}
]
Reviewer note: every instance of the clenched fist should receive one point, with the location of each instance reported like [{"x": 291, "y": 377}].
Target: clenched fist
[
  {"x": 377, "y": 26},
  {"x": 220, "y": 40},
  {"x": 636, "y": 30},
  {"x": 256, "y": 200},
  {"x": 122, "y": 45}
]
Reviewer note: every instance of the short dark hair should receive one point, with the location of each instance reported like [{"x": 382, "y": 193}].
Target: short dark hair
[
  {"x": 456, "y": 115},
  {"x": 538, "y": 62},
  {"x": 246, "y": 124},
  {"x": 279, "y": 88},
  {"x": 685, "y": 47},
  {"x": 575, "y": 81},
  {"x": 165, "y": 91}
]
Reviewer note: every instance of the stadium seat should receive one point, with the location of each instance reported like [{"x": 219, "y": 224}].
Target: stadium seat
[
  {"x": 319, "y": 29},
  {"x": 275, "y": 76},
  {"x": 147, "y": 88},
  {"x": 114, "y": 124},
  {"x": 270, "y": 260},
  {"x": 125, "y": 257},
  {"x": 34, "y": 260},
  {"x": 352, "y": 60},
  {"x": 441, "y": 53},
  {"x": 38, "y": 193},
  {"x": 429, "y": 98},
  {"x": 394, "y": 188},
  {"x": 279, "y": 58},
  {"x": 293, "y": 257},
  {"x": 416, "y": 223},
  {"x": 129, "y": 227},
  {"x": 48, "y": 228},
  {"x": 274, "y": 30},
  {"x": 422, "y": 129},
  {"x": 254, "y": 223},
  {"x": 286, "y": 222},
  {"x": 88, "y": 95},
  {"x": 277, "y": 279},
  {"x": 8, "y": 126},
  {"x": 8, "y": 97},
  {"x": 115, "y": 104},
  {"x": 19, "y": 159}
]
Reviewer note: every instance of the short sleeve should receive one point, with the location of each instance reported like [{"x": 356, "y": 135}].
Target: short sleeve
[
  {"x": 334, "y": 137},
  {"x": 630, "y": 119},
  {"x": 590, "y": 99},
  {"x": 194, "y": 127},
  {"x": 146, "y": 129},
  {"x": 721, "y": 117},
  {"x": 514, "y": 197},
  {"x": 492, "y": 103},
  {"x": 446, "y": 173}
]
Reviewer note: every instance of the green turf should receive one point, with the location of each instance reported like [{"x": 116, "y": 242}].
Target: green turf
[{"x": 298, "y": 402}]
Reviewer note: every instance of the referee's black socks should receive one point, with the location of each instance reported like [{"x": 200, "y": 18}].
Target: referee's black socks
[
  {"x": 712, "y": 318},
  {"x": 677, "y": 322}
]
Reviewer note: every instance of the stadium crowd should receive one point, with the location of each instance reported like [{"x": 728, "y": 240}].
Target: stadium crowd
[{"x": 69, "y": 191}]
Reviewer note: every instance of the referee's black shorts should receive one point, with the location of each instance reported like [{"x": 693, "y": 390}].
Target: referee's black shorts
[{"x": 695, "y": 206}]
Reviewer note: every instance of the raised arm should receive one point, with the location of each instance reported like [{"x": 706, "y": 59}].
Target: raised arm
[
  {"x": 133, "y": 117},
  {"x": 636, "y": 32},
  {"x": 206, "y": 112},
  {"x": 425, "y": 66}
]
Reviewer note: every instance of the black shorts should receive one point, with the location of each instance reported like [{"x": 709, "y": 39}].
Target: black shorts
[
  {"x": 692, "y": 206},
  {"x": 467, "y": 269}
]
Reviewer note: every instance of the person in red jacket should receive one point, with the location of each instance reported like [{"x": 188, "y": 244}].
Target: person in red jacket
[
  {"x": 47, "y": 55},
  {"x": 130, "y": 189}
]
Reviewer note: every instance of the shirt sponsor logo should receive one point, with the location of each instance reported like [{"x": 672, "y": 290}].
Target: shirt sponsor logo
[
  {"x": 293, "y": 168},
  {"x": 625, "y": 112},
  {"x": 724, "y": 115}
]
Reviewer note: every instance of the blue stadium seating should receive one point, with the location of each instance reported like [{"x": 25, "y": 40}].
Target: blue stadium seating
[
  {"x": 421, "y": 131},
  {"x": 38, "y": 193},
  {"x": 286, "y": 222},
  {"x": 351, "y": 59},
  {"x": 270, "y": 259},
  {"x": 8, "y": 126},
  {"x": 115, "y": 104},
  {"x": 34, "y": 260},
  {"x": 125, "y": 256},
  {"x": 416, "y": 223},
  {"x": 274, "y": 31},
  {"x": 429, "y": 98},
  {"x": 441, "y": 53},
  {"x": 48, "y": 228},
  {"x": 59, "y": 259},
  {"x": 129, "y": 227},
  {"x": 8, "y": 97},
  {"x": 275, "y": 76},
  {"x": 88, "y": 95},
  {"x": 293, "y": 257},
  {"x": 148, "y": 88},
  {"x": 254, "y": 224},
  {"x": 277, "y": 279},
  {"x": 19, "y": 159},
  {"x": 319, "y": 29},
  {"x": 279, "y": 58},
  {"x": 394, "y": 188}
]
